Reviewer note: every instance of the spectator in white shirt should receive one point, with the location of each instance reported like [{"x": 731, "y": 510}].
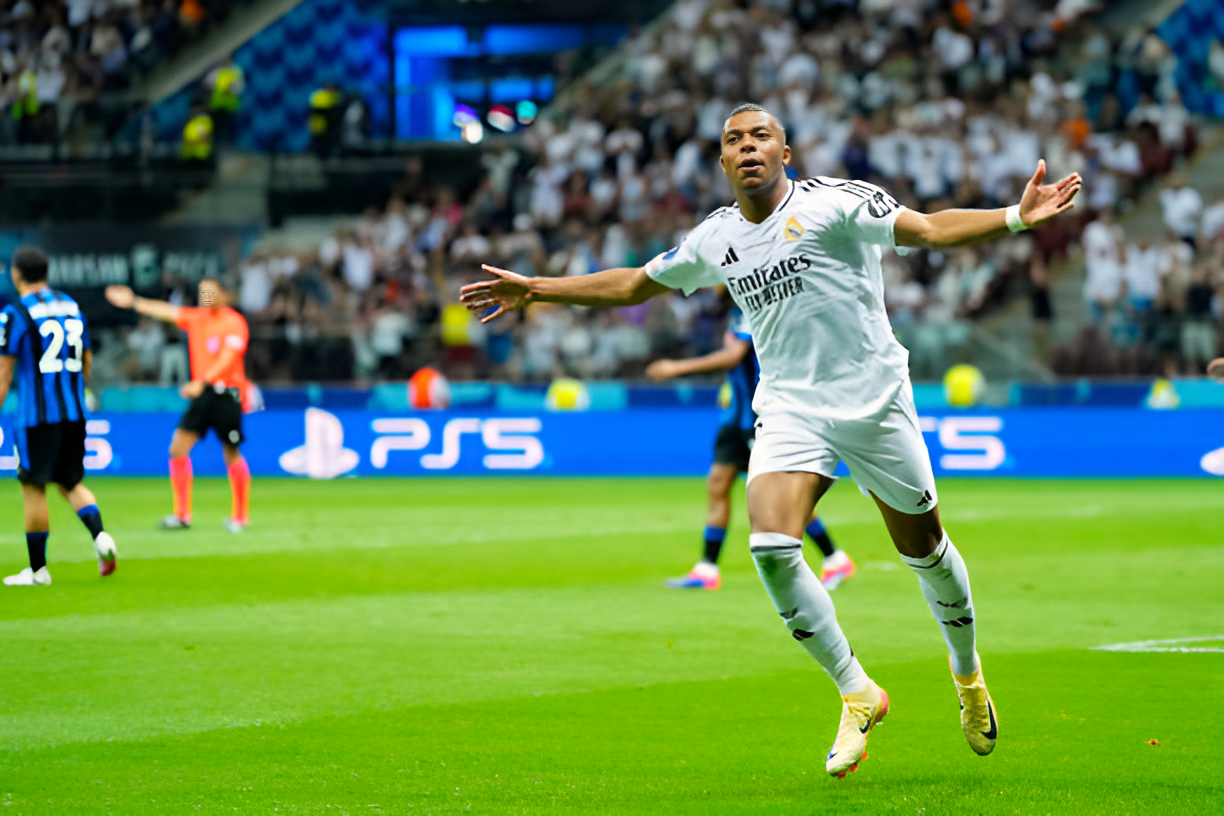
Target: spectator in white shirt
[
  {"x": 1142, "y": 274},
  {"x": 1182, "y": 206},
  {"x": 547, "y": 201},
  {"x": 1102, "y": 241},
  {"x": 471, "y": 245},
  {"x": 146, "y": 342},
  {"x": 255, "y": 289},
  {"x": 1213, "y": 220},
  {"x": 955, "y": 49},
  {"x": 391, "y": 327},
  {"x": 358, "y": 266},
  {"x": 1176, "y": 263}
]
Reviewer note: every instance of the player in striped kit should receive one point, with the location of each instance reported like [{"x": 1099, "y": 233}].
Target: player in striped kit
[
  {"x": 44, "y": 340},
  {"x": 732, "y": 450}
]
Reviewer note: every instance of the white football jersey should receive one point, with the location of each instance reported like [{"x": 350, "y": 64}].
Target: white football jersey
[{"x": 808, "y": 280}]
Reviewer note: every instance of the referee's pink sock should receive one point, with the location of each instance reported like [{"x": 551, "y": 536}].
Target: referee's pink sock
[
  {"x": 180, "y": 480},
  {"x": 240, "y": 487}
]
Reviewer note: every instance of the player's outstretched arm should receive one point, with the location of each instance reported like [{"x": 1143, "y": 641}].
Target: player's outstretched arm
[
  {"x": 508, "y": 290},
  {"x": 953, "y": 228},
  {"x": 732, "y": 353},
  {"x": 124, "y": 298}
]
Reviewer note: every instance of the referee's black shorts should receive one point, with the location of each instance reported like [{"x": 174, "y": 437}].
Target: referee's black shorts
[
  {"x": 733, "y": 446},
  {"x": 218, "y": 411},
  {"x": 51, "y": 453}
]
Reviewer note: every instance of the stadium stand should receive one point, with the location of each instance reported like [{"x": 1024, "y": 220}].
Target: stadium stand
[
  {"x": 59, "y": 60},
  {"x": 943, "y": 103}
]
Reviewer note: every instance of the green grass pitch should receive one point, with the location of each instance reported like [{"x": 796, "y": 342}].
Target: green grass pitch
[{"x": 507, "y": 646}]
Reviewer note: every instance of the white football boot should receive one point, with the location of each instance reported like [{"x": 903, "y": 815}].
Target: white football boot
[
  {"x": 108, "y": 559},
  {"x": 28, "y": 577}
]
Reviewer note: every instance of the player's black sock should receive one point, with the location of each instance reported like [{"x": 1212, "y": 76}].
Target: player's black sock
[
  {"x": 821, "y": 536},
  {"x": 714, "y": 537},
  {"x": 91, "y": 517},
  {"x": 36, "y": 543}
]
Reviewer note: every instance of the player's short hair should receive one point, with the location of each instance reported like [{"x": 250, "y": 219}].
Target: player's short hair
[
  {"x": 752, "y": 107},
  {"x": 32, "y": 263}
]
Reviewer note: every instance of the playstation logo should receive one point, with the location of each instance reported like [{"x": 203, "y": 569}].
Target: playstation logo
[{"x": 324, "y": 455}]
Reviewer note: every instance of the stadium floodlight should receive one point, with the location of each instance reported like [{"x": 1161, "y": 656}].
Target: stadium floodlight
[
  {"x": 501, "y": 118},
  {"x": 526, "y": 112},
  {"x": 472, "y": 132},
  {"x": 465, "y": 116}
]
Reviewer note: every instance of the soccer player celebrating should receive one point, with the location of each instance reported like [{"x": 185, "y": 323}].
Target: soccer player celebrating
[
  {"x": 802, "y": 260},
  {"x": 217, "y": 340},
  {"x": 44, "y": 338},
  {"x": 732, "y": 447}
]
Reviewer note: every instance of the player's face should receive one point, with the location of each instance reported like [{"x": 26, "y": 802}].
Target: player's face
[
  {"x": 211, "y": 295},
  {"x": 754, "y": 155}
]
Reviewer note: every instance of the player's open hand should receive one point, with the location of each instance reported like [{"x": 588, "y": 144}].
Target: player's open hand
[
  {"x": 1041, "y": 202},
  {"x": 121, "y": 296},
  {"x": 491, "y": 298},
  {"x": 1216, "y": 369},
  {"x": 661, "y": 370}
]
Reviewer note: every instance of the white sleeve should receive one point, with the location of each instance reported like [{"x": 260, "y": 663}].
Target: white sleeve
[
  {"x": 871, "y": 213},
  {"x": 682, "y": 267}
]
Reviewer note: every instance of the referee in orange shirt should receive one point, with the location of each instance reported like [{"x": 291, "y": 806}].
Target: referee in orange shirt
[{"x": 217, "y": 339}]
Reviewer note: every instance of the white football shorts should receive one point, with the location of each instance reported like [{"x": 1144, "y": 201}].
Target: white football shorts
[{"x": 885, "y": 453}]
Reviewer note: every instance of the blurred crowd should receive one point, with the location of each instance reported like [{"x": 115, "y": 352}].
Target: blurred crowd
[
  {"x": 942, "y": 103},
  {"x": 1157, "y": 305},
  {"x": 58, "y": 57}
]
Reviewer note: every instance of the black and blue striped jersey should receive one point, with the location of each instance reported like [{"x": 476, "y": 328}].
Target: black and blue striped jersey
[
  {"x": 742, "y": 379},
  {"x": 47, "y": 334}
]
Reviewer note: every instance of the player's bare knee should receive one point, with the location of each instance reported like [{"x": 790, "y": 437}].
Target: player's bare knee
[
  {"x": 918, "y": 538},
  {"x": 774, "y": 519}
]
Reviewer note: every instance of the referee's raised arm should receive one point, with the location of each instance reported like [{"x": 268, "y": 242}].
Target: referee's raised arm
[{"x": 123, "y": 297}]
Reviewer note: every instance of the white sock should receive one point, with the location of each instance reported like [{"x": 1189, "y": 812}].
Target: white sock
[
  {"x": 704, "y": 569},
  {"x": 805, "y": 607},
  {"x": 945, "y": 585}
]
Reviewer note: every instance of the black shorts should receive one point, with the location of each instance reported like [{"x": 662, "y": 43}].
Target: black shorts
[
  {"x": 51, "y": 453},
  {"x": 220, "y": 412},
  {"x": 733, "y": 446}
]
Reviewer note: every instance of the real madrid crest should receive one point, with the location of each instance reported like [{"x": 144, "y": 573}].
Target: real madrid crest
[{"x": 793, "y": 229}]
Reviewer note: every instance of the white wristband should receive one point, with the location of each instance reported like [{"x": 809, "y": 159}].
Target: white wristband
[{"x": 1014, "y": 223}]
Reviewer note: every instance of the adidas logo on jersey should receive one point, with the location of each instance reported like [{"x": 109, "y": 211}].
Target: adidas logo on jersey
[{"x": 731, "y": 257}]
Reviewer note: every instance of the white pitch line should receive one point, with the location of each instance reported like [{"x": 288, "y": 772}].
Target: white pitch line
[{"x": 1165, "y": 645}]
